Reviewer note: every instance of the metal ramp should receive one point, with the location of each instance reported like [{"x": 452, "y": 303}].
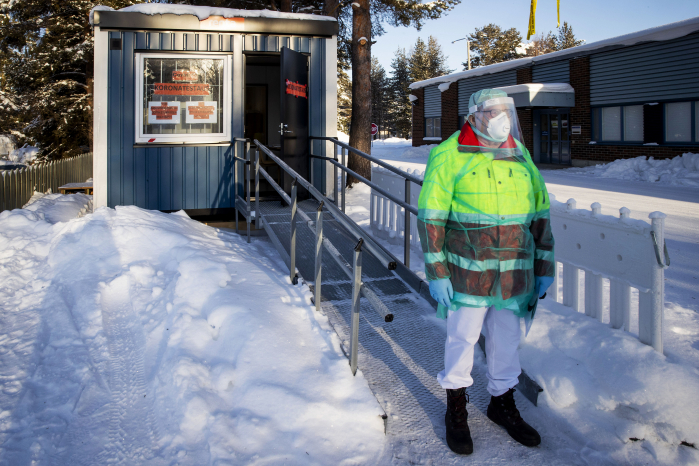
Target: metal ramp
[{"x": 399, "y": 359}]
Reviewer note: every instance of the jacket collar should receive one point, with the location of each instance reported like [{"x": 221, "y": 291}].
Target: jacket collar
[{"x": 469, "y": 138}]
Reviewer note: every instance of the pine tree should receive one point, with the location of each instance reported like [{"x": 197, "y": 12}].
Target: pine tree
[
  {"x": 380, "y": 96},
  {"x": 344, "y": 98},
  {"x": 419, "y": 61},
  {"x": 401, "y": 110},
  {"x": 437, "y": 61},
  {"x": 566, "y": 38},
  {"x": 47, "y": 47},
  {"x": 541, "y": 44},
  {"x": 490, "y": 44}
]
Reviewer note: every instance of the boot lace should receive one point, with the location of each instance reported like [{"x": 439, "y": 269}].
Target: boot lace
[
  {"x": 457, "y": 401},
  {"x": 507, "y": 402}
]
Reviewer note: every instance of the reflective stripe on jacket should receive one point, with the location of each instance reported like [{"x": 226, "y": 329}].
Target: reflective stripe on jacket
[{"x": 485, "y": 224}]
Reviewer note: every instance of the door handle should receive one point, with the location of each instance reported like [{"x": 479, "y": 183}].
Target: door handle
[{"x": 282, "y": 129}]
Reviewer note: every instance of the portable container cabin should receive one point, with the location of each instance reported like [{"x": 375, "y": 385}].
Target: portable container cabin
[
  {"x": 176, "y": 87},
  {"x": 628, "y": 96}
]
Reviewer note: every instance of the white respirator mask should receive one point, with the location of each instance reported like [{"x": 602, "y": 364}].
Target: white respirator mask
[{"x": 499, "y": 127}]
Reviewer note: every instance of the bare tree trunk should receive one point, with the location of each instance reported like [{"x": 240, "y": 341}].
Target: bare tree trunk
[
  {"x": 360, "y": 126},
  {"x": 286, "y": 6}
]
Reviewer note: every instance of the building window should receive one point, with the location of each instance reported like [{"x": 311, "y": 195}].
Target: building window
[
  {"x": 678, "y": 122},
  {"x": 618, "y": 124},
  {"x": 183, "y": 98},
  {"x": 433, "y": 128}
]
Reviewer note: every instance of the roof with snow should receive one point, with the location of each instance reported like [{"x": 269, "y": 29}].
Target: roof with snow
[
  {"x": 158, "y": 16},
  {"x": 659, "y": 33}
]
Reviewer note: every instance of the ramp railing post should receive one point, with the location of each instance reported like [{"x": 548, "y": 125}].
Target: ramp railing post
[
  {"x": 257, "y": 189},
  {"x": 344, "y": 164},
  {"x": 336, "y": 193},
  {"x": 356, "y": 286},
  {"x": 235, "y": 182},
  {"x": 247, "y": 188},
  {"x": 319, "y": 254},
  {"x": 651, "y": 304},
  {"x": 406, "y": 232},
  {"x": 292, "y": 248}
]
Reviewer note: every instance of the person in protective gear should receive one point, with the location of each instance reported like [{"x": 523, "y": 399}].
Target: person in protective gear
[{"x": 484, "y": 226}]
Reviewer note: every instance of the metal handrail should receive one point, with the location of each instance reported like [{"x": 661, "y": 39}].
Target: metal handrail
[
  {"x": 379, "y": 162},
  {"x": 409, "y": 209},
  {"x": 352, "y": 271}
]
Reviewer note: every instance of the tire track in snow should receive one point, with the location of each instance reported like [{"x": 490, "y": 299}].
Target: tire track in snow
[{"x": 133, "y": 434}]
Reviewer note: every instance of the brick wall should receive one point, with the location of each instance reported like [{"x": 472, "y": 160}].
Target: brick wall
[
  {"x": 419, "y": 117},
  {"x": 450, "y": 111},
  {"x": 524, "y": 76},
  {"x": 584, "y": 153}
]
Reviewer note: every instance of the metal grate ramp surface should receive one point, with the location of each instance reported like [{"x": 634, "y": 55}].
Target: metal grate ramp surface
[{"x": 401, "y": 359}]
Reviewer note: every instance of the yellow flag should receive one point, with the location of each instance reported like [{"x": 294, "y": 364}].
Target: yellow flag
[
  {"x": 559, "y": 12},
  {"x": 532, "y": 12}
]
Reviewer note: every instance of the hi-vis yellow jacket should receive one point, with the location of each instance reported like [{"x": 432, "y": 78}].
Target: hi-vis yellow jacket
[{"x": 484, "y": 223}]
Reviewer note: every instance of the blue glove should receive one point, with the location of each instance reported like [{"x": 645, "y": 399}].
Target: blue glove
[
  {"x": 442, "y": 291},
  {"x": 541, "y": 284}
]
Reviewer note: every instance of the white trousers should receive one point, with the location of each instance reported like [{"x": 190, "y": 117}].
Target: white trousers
[{"x": 502, "y": 334}]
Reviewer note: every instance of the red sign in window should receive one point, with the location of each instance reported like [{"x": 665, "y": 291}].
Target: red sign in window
[
  {"x": 185, "y": 75},
  {"x": 296, "y": 89},
  {"x": 181, "y": 89},
  {"x": 164, "y": 111},
  {"x": 201, "y": 111}
]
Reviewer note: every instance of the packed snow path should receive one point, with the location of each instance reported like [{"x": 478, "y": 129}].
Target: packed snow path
[
  {"x": 132, "y": 337},
  {"x": 401, "y": 359}
]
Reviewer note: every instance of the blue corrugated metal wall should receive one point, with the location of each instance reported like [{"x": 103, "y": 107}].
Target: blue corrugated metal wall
[
  {"x": 468, "y": 86},
  {"x": 664, "y": 70},
  {"x": 433, "y": 102},
  {"x": 191, "y": 177},
  {"x": 552, "y": 72}
]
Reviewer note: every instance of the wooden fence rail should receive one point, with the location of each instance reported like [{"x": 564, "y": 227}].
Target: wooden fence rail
[{"x": 18, "y": 185}]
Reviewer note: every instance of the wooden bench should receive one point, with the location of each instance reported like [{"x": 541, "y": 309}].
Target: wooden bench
[{"x": 72, "y": 188}]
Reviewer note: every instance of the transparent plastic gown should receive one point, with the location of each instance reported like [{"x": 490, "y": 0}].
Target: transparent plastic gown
[{"x": 483, "y": 215}]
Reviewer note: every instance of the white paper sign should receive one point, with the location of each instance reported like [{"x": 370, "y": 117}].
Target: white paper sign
[
  {"x": 201, "y": 112},
  {"x": 163, "y": 113}
]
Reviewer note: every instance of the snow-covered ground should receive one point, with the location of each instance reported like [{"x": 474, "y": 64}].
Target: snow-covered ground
[
  {"x": 135, "y": 337},
  {"x": 619, "y": 401}
]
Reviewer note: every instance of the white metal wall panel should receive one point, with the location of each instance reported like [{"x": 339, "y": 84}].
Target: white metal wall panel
[
  {"x": 665, "y": 70},
  {"x": 433, "y": 102},
  {"x": 468, "y": 86},
  {"x": 552, "y": 72}
]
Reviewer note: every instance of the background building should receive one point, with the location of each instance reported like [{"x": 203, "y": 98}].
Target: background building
[{"x": 631, "y": 95}]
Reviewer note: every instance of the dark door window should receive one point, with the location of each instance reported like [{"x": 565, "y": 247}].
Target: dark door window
[{"x": 554, "y": 139}]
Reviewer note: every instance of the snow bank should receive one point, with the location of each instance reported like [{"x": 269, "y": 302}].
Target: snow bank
[
  {"x": 23, "y": 155},
  {"x": 682, "y": 170},
  {"x": 137, "y": 337},
  {"x": 623, "y": 397}
]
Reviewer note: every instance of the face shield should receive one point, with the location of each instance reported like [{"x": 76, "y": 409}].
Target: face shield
[{"x": 493, "y": 129}]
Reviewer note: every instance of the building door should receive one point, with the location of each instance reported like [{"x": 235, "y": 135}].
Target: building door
[
  {"x": 294, "y": 114},
  {"x": 554, "y": 138}
]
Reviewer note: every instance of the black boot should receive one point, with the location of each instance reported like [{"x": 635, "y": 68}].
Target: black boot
[
  {"x": 458, "y": 433},
  {"x": 502, "y": 411}
]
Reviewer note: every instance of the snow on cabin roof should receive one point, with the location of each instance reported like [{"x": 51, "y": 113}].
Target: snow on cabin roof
[
  {"x": 658, "y": 33},
  {"x": 203, "y": 12}
]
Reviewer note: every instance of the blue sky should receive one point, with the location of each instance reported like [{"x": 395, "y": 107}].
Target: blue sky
[{"x": 591, "y": 20}]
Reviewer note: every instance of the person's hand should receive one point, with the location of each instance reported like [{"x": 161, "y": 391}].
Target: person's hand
[
  {"x": 442, "y": 291},
  {"x": 541, "y": 284}
]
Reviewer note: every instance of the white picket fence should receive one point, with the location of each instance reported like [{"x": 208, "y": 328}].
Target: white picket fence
[
  {"x": 387, "y": 219},
  {"x": 620, "y": 250}
]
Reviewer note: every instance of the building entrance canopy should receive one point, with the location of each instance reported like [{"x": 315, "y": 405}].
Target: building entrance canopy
[{"x": 541, "y": 95}]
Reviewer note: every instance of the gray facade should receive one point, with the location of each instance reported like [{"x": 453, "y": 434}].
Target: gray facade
[
  {"x": 667, "y": 70},
  {"x": 552, "y": 72},
  {"x": 433, "y": 102}
]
